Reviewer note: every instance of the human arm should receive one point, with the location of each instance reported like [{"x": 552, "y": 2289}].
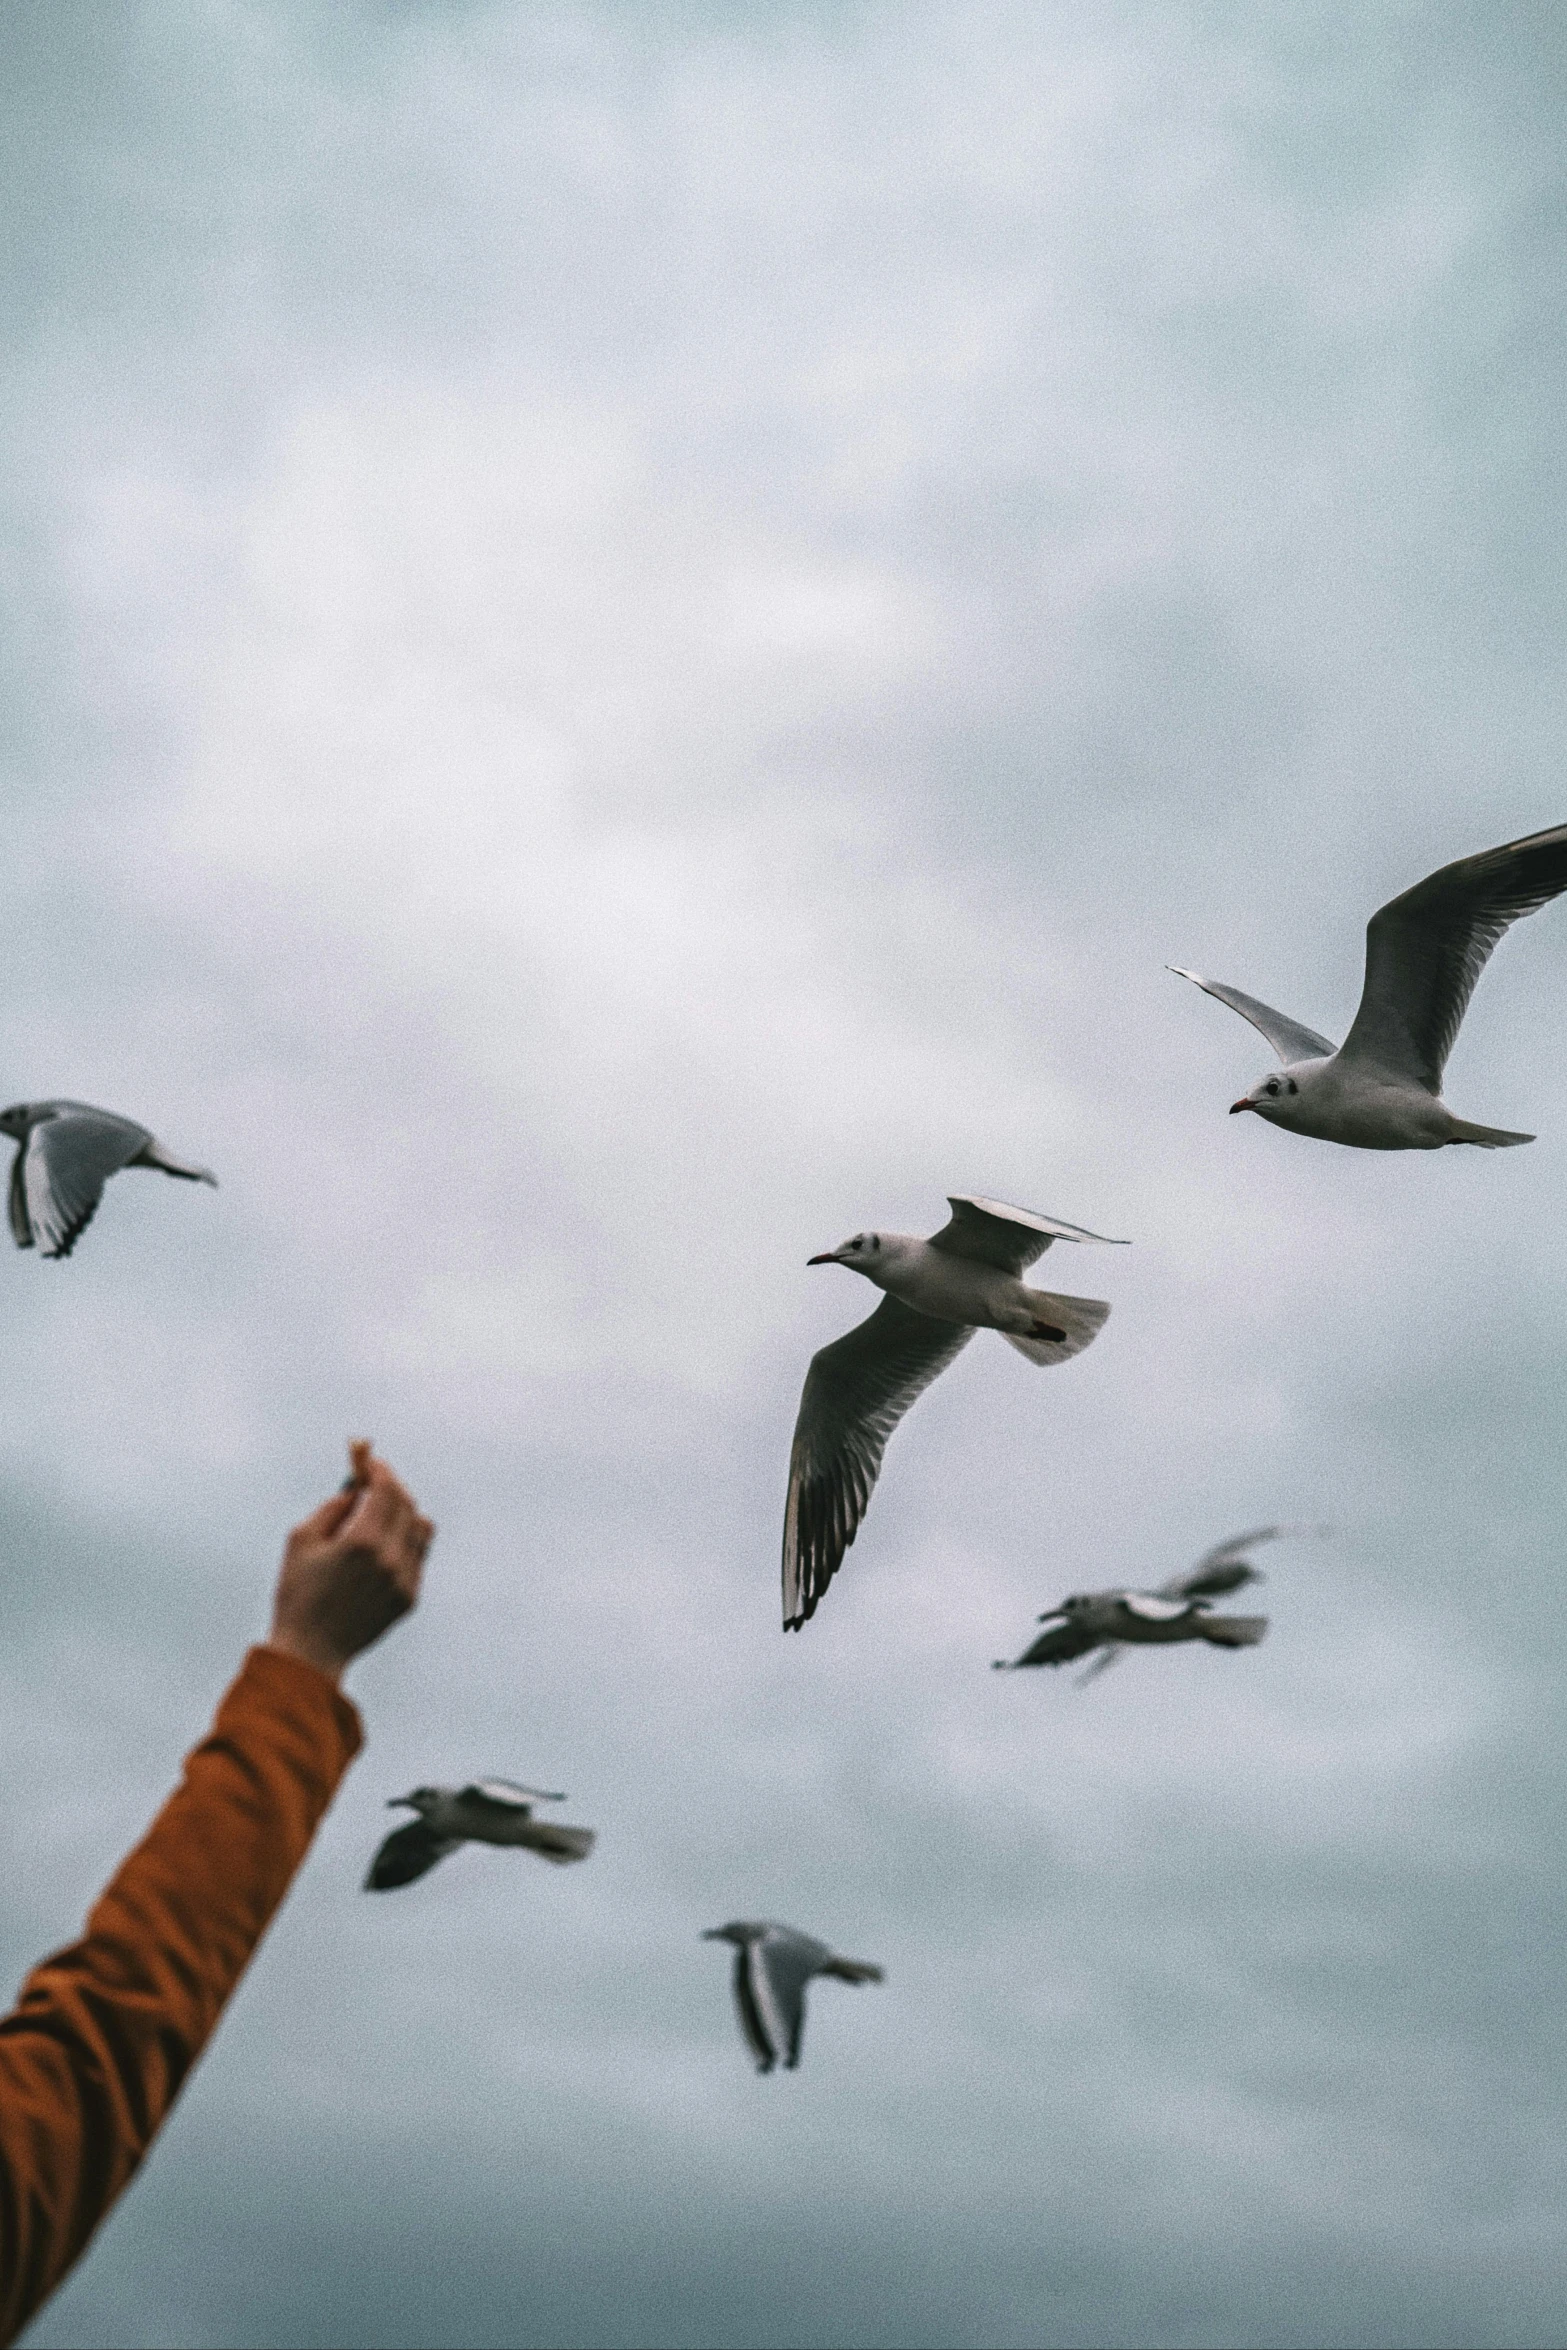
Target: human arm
[{"x": 105, "y": 2032}]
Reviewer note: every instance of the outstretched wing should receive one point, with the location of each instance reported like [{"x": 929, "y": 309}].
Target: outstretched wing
[
  {"x": 1426, "y": 949},
  {"x": 991, "y": 1233},
  {"x": 1059, "y": 1645},
  {"x": 65, "y": 1166},
  {"x": 16, "y": 1202},
  {"x": 856, "y": 1392},
  {"x": 1226, "y": 1567},
  {"x": 505, "y": 1795},
  {"x": 781, "y": 1966},
  {"x": 751, "y": 2019},
  {"x": 1288, "y": 1038},
  {"x": 408, "y": 1853}
]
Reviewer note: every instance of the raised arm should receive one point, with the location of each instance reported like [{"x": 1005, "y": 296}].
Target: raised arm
[{"x": 100, "y": 2041}]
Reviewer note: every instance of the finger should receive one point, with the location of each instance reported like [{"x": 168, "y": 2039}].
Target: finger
[
  {"x": 325, "y": 1521},
  {"x": 379, "y": 1507},
  {"x": 416, "y": 1537}
]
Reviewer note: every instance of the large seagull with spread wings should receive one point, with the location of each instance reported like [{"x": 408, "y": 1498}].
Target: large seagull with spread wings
[
  {"x": 966, "y": 1277},
  {"x": 1381, "y": 1089}
]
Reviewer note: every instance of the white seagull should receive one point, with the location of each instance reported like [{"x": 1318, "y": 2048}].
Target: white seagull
[
  {"x": 67, "y": 1152},
  {"x": 1111, "y": 1621},
  {"x": 939, "y": 1292},
  {"x": 773, "y": 1964},
  {"x": 1382, "y": 1089},
  {"x": 489, "y": 1811}
]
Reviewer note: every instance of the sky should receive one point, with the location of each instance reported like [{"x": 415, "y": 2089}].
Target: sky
[{"x": 631, "y": 633}]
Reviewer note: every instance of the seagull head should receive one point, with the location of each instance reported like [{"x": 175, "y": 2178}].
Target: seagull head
[
  {"x": 1272, "y": 1097},
  {"x": 16, "y": 1120},
  {"x": 737, "y": 1931},
  {"x": 859, "y": 1254}
]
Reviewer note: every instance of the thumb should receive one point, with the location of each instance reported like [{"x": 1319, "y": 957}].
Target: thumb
[{"x": 324, "y": 1522}]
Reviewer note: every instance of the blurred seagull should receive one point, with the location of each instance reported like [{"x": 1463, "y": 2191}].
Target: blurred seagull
[
  {"x": 489, "y": 1811},
  {"x": 939, "y": 1292},
  {"x": 773, "y": 1964},
  {"x": 1113, "y": 1620},
  {"x": 68, "y": 1151},
  {"x": 1381, "y": 1090}
]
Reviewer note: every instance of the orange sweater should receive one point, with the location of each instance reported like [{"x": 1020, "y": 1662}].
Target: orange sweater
[{"x": 98, "y": 2045}]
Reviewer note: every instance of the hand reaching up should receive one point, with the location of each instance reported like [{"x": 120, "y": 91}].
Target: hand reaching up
[{"x": 351, "y": 1569}]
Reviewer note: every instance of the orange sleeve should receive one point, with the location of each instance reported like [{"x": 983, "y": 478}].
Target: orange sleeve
[{"x": 99, "y": 2043}]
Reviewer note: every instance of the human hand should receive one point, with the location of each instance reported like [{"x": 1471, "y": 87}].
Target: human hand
[{"x": 351, "y": 1569}]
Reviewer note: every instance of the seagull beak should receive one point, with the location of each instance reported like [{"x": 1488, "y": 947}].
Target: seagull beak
[
  {"x": 399, "y": 1803},
  {"x": 1241, "y": 1105},
  {"x": 830, "y": 1258}
]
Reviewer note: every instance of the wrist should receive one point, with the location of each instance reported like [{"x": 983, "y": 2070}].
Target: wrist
[{"x": 290, "y": 1640}]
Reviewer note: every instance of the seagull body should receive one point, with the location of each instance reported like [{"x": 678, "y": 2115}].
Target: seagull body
[
  {"x": 938, "y": 1292},
  {"x": 1381, "y": 1090},
  {"x": 66, "y": 1153},
  {"x": 1178, "y": 1610},
  {"x": 488, "y": 1811},
  {"x": 773, "y": 1964}
]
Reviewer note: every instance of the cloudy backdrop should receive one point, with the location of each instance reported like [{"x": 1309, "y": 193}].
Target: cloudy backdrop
[{"x": 631, "y": 632}]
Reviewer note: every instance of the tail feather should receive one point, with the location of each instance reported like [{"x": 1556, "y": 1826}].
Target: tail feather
[
  {"x": 153, "y": 1154},
  {"x": 854, "y": 1970},
  {"x": 1489, "y": 1138},
  {"x": 1234, "y": 1631},
  {"x": 1063, "y": 1326},
  {"x": 560, "y": 1844}
]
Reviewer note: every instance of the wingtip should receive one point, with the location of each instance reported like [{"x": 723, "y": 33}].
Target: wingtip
[{"x": 1181, "y": 972}]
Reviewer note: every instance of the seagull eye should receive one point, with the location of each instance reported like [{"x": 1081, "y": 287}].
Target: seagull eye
[
  {"x": 875, "y": 1240},
  {"x": 1292, "y": 1086}
]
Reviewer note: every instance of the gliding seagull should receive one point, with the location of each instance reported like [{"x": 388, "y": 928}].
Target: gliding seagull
[
  {"x": 773, "y": 1964},
  {"x": 1382, "y": 1089},
  {"x": 1112, "y": 1620},
  {"x": 68, "y": 1151},
  {"x": 489, "y": 1811},
  {"x": 939, "y": 1292}
]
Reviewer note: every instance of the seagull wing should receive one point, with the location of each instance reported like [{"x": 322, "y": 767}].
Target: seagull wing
[
  {"x": 16, "y": 1201},
  {"x": 506, "y": 1795},
  {"x": 990, "y": 1233},
  {"x": 1111, "y": 1654},
  {"x": 408, "y": 1853},
  {"x": 1288, "y": 1038},
  {"x": 782, "y": 1963},
  {"x": 1061, "y": 1645},
  {"x": 1426, "y": 949},
  {"x": 67, "y": 1162},
  {"x": 1224, "y": 1568},
  {"x": 1154, "y": 1607},
  {"x": 856, "y": 1392},
  {"x": 752, "y": 2023}
]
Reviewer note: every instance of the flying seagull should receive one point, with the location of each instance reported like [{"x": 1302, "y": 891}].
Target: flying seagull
[
  {"x": 939, "y": 1292},
  {"x": 773, "y": 1964},
  {"x": 1382, "y": 1089},
  {"x": 489, "y": 1811},
  {"x": 67, "y": 1152},
  {"x": 1111, "y": 1621}
]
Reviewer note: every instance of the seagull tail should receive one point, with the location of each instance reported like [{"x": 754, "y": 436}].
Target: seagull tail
[
  {"x": 1062, "y": 1326},
  {"x": 560, "y": 1844},
  {"x": 1489, "y": 1138},
  {"x": 154, "y": 1155},
  {"x": 1234, "y": 1631},
  {"x": 855, "y": 1970}
]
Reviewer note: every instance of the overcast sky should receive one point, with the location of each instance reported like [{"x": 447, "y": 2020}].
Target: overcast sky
[{"x": 631, "y": 632}]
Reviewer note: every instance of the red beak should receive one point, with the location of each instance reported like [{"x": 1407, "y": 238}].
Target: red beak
[
  {"x": 831, "y": 1258},
  {"x": 1234, "y": 1106}
]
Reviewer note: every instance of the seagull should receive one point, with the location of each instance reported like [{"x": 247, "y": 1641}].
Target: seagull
[
  {"x": 1110, "y": 1621},
  {"x": 773, "y": 1964},
  {"x": 1381, "y": 1090},
  {"x": 489, "y": 1811},
  {"x": 68, "y": 1151},
  {"x": 939, "y": 1292}
]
